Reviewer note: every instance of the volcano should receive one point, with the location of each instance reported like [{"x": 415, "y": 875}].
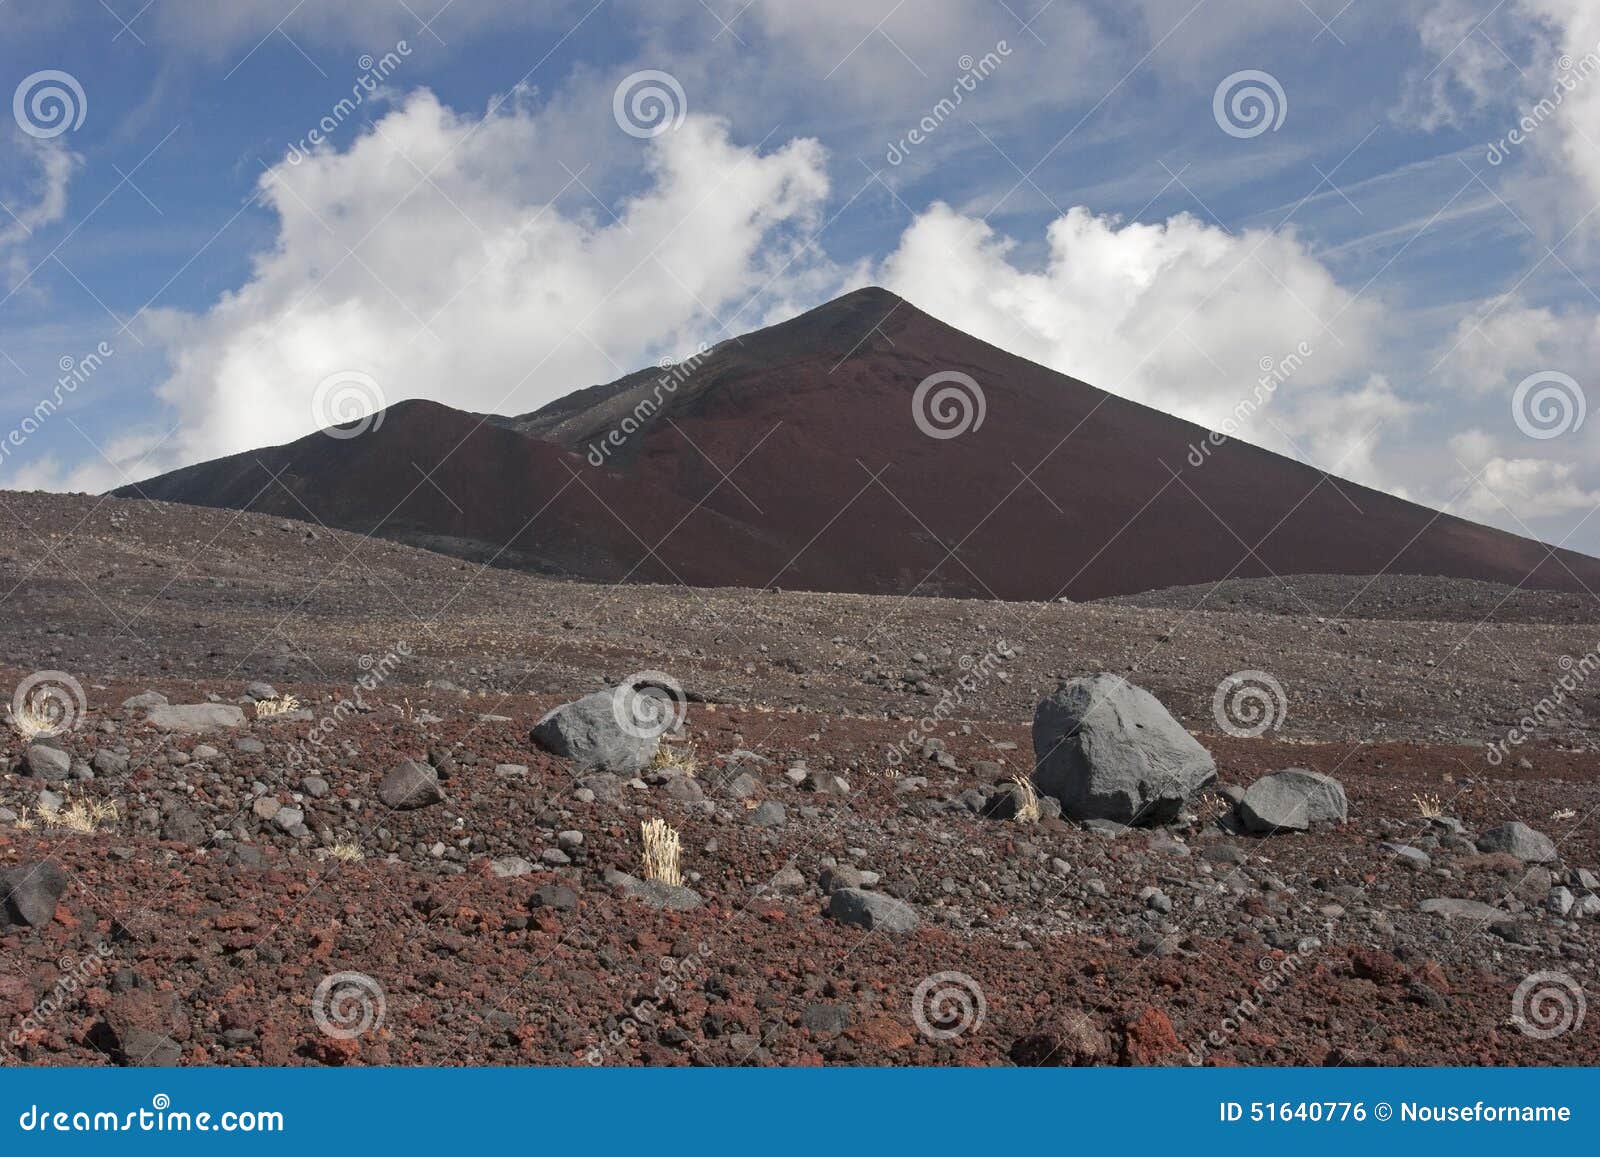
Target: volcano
[{"x": 864, "y": 447}]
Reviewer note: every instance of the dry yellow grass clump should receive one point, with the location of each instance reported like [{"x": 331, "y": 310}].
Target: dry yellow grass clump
[
  {"x": 347, "y": 851},
  {"x": 83, "y": 816},
  {"x": 1428, "y": 806},
  {"x": 661, "y": 851},
  {"x": 1029, "y": 812},
  {"x": 674, "y": 758},
  {"x": 267, "y": 708},
  {"x": 31, "y": 723}
]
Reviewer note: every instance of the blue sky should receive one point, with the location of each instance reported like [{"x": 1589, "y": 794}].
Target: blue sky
[{"x": 493, "y": 224}]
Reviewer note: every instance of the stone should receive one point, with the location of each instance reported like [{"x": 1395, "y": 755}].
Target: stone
[
  {"x": 1453, "y": 909},
  {"x": 144, "y": 699},
  {"x": 108, "y": 762},
  {"x": 1106, "y": 749},
  {"x": 510, "y": 867},
  {"x": 193, "y": 718},
  {"x": 1519, "y": 840},
  {"x": 204, "y": 751},
  {"x": 736, "y": 785},
  {"x": 288, "y": 818},
  {"x": 314, "y": 786},
  {"x": 556, "y": 896},
  {"x": 265, "y": 807},
  {"x": 825, "y": 1019},
  {"x": 1560, "y": 901},
  {"x": 183, "y": 825},
  {"x": 590, "y": 732},
  {"x": 770, "y": 814},
  {"x": 259, "y": 691},
  {"x": 1409, "y": 856},
  {"x": 788, "y": 879},
  {"x": 839, "y": 876},
  {"x": 45, "y": 762},
  {"x": 825, "y": 783},
  {"x": 29, "y": 893},
  {"x": 1293, "y": 800},
  {"x": 653, "y": 893},
  {"x": 410, "y": 786},
  {"x": 1586, "y": 907},
  {"x": 872, "y": 910}
]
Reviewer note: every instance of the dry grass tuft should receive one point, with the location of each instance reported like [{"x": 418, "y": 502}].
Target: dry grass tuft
[
  {"x": 31, "y": 723},
  {"x": 1565, "y": 813},
  {"x": 1428, "y": 806},
  {"x": 347, "y": 851},
  {"x": 83, "y": 816},
  {"x": 670, "y": 757},
  {"x": 1029, "y": 812},
  {"x": 282, "y": 705},
  {"x": 661, "y": 851},
  {"x": 24, "y": 821}
]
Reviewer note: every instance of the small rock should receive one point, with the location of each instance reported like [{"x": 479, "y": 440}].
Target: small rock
[
  {"x": 190, "y": 718},
  {"x": 1519, "y": 840},
  {"x": 29, "y": 893},
  {"x": 46, "y": 762},
  {"x": 410, "y": 786},
  {"x": 1293, "y": 800},
  {"x": 770, "y": 814},
  {"x": 510, "y": 867},
  {"x": 872, "y": 910}
]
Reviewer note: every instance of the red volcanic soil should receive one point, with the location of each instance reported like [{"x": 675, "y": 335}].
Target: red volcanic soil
[{"x": 790, "y": 457}]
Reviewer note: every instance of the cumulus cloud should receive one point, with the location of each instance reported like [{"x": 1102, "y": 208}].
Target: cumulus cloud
[
  {"x": 1180, "y": 315},
  {"x": 1527, "y": 490},
  {"x": 420, "y": 257}
]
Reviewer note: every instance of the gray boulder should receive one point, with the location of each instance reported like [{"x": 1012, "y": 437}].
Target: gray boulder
[
  {"x": 45, "y": 762},
  {"x": 29, "y": 894},
  {"x": 192, "y": 718},
  {"x": 1107, "y": 749},
  {"x": 1292, "y": 800},
  {"x": 590, "y": 733},
  {"x": 145, "y": 699},
  {"x": 410, "y": 786},
  {"x": 1519, "y": 840},
  {"x": 872, "y": 910}
]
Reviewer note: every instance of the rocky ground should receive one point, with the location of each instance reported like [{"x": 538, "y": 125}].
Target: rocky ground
[{"x": 390, "y": 871}]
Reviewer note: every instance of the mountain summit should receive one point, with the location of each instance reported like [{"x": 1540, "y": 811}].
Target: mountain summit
[{"x": 863, "y": 446}]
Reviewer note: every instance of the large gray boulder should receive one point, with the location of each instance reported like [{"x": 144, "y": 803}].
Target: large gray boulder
[
  {"x": 590, "y": 732},
  {"x": 1519, "y": 840},
  {"x": 29, "y": 893},
  {"x": 193, "y": 718},
  {"x": 1108, "y": 750},
  {"x": 1292, "y": 800}
]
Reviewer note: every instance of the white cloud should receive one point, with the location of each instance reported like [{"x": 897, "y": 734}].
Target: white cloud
[
  {"x": 420, "y": 257},
  {"x": 41, "y": 199},
  {"x": 1507, "y": 341},
  {"x": 1462, "y": 71},
  {"x": 1181, "y": 315}
]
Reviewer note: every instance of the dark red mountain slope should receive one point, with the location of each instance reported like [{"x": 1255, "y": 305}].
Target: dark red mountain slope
[{"x": 831, "y": 485}]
